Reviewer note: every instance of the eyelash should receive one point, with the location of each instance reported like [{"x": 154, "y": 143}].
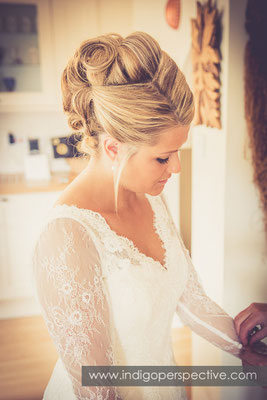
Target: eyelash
[{"x": 163, "y": 160}]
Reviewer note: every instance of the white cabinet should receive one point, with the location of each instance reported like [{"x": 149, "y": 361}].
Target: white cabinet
[
  {"x": 21, "y": 217},
  {"x": 26, "y": 59},
  {"x": 61, "y": 26}
]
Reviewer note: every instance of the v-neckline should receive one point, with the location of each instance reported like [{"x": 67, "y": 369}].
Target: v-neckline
[{"x": 130, "y": 242}]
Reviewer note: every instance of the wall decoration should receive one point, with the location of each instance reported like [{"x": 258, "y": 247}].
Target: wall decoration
[
  {"x": 173, "y": 13},
  {"x": 206, "y": 38},
  {"x": 256, "y": 94}
]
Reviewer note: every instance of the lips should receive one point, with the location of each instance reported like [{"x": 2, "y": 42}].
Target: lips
[{"x": 164, "y": 180}]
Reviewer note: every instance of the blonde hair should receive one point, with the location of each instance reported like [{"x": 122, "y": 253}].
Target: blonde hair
[{"x": 127, "y": 87}]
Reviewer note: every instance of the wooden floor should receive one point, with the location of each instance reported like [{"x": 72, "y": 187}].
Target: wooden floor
[{"x": 27, "y": 357}]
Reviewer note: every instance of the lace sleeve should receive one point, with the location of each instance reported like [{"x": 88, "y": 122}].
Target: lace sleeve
[
  {"x": 204, "y": 316},
  {"x": 200, "y": 313},
  {"x": 70, "y": 289}
]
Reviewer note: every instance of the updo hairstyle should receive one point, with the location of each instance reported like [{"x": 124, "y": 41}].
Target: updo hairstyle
[{"x": 126, "y": 87}]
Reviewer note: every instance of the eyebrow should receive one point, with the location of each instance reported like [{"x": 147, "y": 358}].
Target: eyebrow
[{"x": 173, "y": 151}]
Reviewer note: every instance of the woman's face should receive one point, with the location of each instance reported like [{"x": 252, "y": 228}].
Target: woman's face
[{"x": 148, "y": 170}]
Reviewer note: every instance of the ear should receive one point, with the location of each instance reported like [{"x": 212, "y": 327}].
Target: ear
[{"x": 111, "y": 147}]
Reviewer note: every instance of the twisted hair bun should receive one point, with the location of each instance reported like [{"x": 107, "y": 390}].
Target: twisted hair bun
[{"x": 127, "y": 87}]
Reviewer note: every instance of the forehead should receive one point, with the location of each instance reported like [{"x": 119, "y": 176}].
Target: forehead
[{"x": 171, "y": 139}]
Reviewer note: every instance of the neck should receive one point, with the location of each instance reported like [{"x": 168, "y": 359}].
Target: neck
[{"x": 97, "y": 183}]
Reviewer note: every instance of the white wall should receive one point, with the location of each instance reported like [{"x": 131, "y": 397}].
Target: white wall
[
  {"x": 208, "y": 188},
  {"x": 228, "y": 245}
]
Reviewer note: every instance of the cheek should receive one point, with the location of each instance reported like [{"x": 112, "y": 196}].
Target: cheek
[
  {"x": 141, "y": 171},
  {"x": 151, "y": 172}
]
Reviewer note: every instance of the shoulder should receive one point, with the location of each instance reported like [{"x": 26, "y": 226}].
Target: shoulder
[
  {"x": 59, "y": 227},
  {"x": 66, "y": 217},
  {"x": 73, "y": 196},
  {"x": 65, "y": 234},
  {"x": 79, "y": 194}
]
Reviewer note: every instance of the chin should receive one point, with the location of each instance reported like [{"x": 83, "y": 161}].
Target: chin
[{"x": 155, "y": 191}]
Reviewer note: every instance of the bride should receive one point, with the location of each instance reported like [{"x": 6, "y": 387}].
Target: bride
[{"x": 110, "y": 268}]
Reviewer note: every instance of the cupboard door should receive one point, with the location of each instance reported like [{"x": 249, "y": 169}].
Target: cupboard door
[
  {"x": 26, "y": 56},
  {"x": 21, "y": 219},
  {"x": 4, "y": 256}
]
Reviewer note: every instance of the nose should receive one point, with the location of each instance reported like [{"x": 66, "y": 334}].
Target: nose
[{"x": 174, "y": 165}]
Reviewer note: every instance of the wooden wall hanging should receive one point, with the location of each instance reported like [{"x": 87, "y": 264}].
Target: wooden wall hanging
[
  {"x": 206, "y": 37},
  {"x": 173, "y": 13},
  {"x": 256, "y": 94}
]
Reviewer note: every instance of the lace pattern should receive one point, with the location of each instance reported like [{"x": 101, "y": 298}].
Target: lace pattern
[
  {"x": 113, "y": 242},
  {"x": 106, "y": 303},
  {"x": 72, "y": 295}
]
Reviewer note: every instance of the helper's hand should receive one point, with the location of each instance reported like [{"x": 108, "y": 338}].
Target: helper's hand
[
  {"x": 246, "y": 321},
  {"x": 251, "y": 358},
  {"x": 255, "y": 355}
]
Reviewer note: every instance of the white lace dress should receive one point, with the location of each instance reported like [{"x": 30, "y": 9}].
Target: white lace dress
[{"x": 106, "y": 303}]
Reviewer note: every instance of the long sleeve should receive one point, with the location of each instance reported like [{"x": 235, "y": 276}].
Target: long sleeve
[
  {"x": 200, "y": 313},
  {"x": 71, "y": 291},
  {"x": 204, "y": 316}
]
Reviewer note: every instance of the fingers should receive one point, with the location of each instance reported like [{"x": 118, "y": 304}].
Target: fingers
[
  {"x": 244, "y": 326},
  {"x": 250, "y": 357},
  {"x": 246, "y": 330},
  {"x": 241, "y": 317},
  {"x": 247, "y": 319},
  {"x": 258, "y": 336}
]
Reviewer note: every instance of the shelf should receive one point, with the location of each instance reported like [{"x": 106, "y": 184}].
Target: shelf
[
  {"x": 18, "y": 33},
  {"x": 17, "y": 184},
  {"x": 20, "y": 65}
]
